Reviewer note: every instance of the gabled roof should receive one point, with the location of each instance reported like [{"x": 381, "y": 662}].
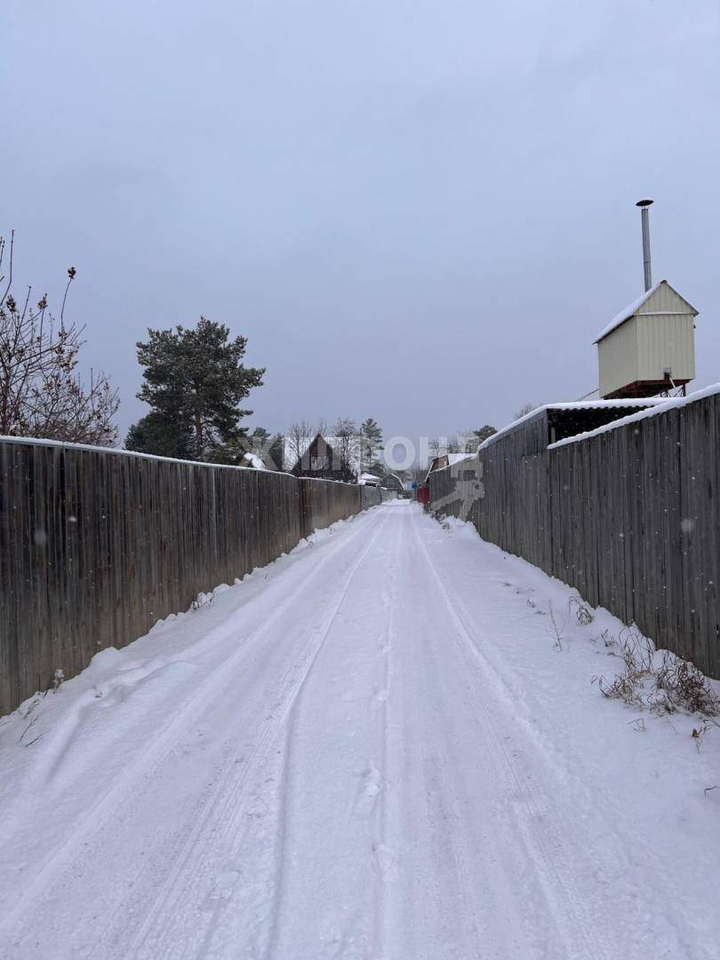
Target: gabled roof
[
  {"x": 291, "y": 455},
  {"x": 632, "y": 308}
]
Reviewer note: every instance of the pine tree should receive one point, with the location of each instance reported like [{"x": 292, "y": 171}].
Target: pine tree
[
  {"x": 160, "y": 435},
  {"x": 484, "y": 432},
  {"x": 194, "y": 383},
  {"x": 372, "y": 437}
]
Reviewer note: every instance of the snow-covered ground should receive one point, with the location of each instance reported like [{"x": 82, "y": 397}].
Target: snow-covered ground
[{"x": 374, "y": 748}]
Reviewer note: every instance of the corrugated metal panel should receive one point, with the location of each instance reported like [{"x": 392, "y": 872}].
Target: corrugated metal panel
[
  {"x": 618, "y": 358},
  {"x": 666, "y": 300},
  {"x": 666, "y": 343}
]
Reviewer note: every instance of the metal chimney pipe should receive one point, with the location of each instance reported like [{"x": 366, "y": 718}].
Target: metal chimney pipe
[{"x": 645, "y": 217}]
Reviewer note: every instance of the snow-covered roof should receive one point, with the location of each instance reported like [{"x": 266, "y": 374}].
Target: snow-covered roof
[
  {"x": 452, "y": 458},
  {"x": 660, "y": 406},
  {"x": 632, "y": 308},
  {"x": 576, "y": 405}
]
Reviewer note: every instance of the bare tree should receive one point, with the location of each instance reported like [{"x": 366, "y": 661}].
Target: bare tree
[
  {"x": 299, "y": 437},
  {"x": 524, "y": 409},
  {"x": 437, "y": 446},
  {"x": 457, "y": 443},
  {"x": 41, "y": 393},
  {"x": 463, "y": 441},
  {"x": 346, "y": 445},
  {"x": 417, "y": 472}
]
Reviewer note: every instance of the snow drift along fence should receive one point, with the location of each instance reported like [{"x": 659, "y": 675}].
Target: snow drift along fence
[
  {"x": 96, "y": 545},
  {"x": 630, "y": 517}
]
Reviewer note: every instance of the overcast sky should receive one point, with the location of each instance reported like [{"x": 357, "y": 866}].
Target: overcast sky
[{"x": 417, "y": 210}]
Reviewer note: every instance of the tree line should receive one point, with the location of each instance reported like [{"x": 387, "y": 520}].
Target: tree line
[{"x": 194, "y": 380}]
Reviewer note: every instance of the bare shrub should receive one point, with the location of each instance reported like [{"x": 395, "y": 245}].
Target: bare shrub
[
  {"x": 41, "y": 392},
  {"x": 662, "y": 683},
  {"x": 628, "y": 685},
  {"x": 685, "y": 686}
]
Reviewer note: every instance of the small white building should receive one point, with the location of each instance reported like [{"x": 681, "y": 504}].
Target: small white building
[{"x": 649, "y": 346}]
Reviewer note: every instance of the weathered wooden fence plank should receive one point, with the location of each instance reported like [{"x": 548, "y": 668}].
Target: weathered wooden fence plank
[
  {"x": 630, "y": 517},
  {"x": 96, "y": 546}
]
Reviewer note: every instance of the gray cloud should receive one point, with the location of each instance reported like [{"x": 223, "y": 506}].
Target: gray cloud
[{"x": 417, "y": 211}]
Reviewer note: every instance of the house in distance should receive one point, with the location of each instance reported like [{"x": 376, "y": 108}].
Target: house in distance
[{"x": 325, "y": 458}]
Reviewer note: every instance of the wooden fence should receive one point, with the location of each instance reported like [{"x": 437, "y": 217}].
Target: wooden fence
[
  {"x": 97, "y": 545},
  {"x": 630, "y": 517}
]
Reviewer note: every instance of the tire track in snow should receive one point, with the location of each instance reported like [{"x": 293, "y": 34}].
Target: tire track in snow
[
  {"x": 143, "y": 766},
  {"x": 619, "y": 851},
  {"x": 440, "y": 907},
  {"x": 191, "y": 878},
  {"x": 279, "y": 895},
  {"x": 390, "y": 605},
  {"x": 641, "y": 925},
  {"x": 544, "y": 845}
]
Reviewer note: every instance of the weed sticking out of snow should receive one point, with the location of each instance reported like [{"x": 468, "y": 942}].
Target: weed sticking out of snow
[
  {"x": 698, "y": 734},
  {"x": 581, "y": 611},
  {"x": 658, "y": 681},
  {"x": 555, "y": 630},
  {"x": 638, "y": 724},
  {"x": 577, "y": 610}
]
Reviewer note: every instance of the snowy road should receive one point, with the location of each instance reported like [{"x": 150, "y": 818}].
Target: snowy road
[{"x": 371, "y": 749}]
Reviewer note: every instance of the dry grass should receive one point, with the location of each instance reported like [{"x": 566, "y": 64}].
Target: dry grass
[
  {"x": 660, "y": 682},
  {"x": 582, "y": 612}
]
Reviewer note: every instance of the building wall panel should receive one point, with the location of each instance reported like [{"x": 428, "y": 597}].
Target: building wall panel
[
  {"x": 666, "y": 342},
  {"x": 618, "y": 358}
]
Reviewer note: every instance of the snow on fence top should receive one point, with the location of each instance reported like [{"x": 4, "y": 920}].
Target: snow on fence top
[
  {"x": 659, "y": 406},
  {"x": 576, "y": 405},
  {"x": 38, "y": 442},
  {"x": 117, "y": 451}
]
